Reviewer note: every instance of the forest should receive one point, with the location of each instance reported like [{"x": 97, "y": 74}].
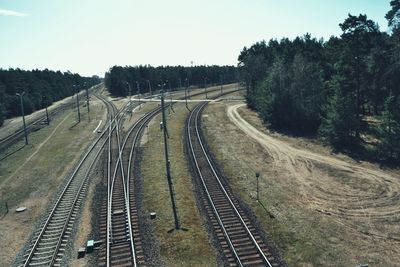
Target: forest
[
  {"x": 41, "y": 87},
  {"x": 169, "y": 77},
  {"x": 344, "y": 90}
]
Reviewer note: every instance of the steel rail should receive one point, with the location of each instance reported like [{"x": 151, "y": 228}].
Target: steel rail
[
  {"x": 197, "y": 111},
  {"x": 58, "y": 201},
  {"x": 138, "y": 125},
  {"x": 145, "y": 122},
  {"x": 77, "y": 197},
  {"x": 223, "y": 188},
  {"x": 206, "y": 189},
  {"x": 8, "y": 140}
]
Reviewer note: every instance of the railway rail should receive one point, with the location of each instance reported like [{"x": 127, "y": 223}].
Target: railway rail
[
  {"x": 119, "y": 227},
  {"x": 48, "y": 245},
  {"x": 34, "y": 125},
  {"x": 123, "y": 246},
  {"x": 49, "y": 242},
  {"x": 241, "y": 243}
]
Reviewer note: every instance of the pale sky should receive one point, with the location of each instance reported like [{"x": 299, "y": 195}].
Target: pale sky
[{"x": 90, "y": 36}]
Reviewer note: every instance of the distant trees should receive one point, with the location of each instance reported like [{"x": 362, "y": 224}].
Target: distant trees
[
  {"x": 55, "y": 85},
  {"x": 174, "y": 76},
  {"x": 330, "y": 87}
]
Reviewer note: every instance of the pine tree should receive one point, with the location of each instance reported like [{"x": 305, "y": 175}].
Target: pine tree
[
  {"x": 340, "y": 124},
  {"x": 389, "y": 130}
]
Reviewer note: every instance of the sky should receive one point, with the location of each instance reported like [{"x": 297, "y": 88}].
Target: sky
[{"x": 90, "y": 36}]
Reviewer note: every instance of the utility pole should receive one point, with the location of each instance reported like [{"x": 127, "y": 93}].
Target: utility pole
[
  {"x": 188, "y": 87},
  {"x": 148, "y": 82},
  {"x": 168, "y": 163},
  {"x": 130, "y": 98},
  {"x": 205, "y": 86},
  {"x": 138, "y": 90},
  {"x": 186, "y": 96},
  {"x": 257, "y": 178},
  {"x": 77, "y": 102},
  {"x": 44, "y": 101},
  {"x": 87, "y": 101},
  {"x": 220, "y": 80},
  {"x": 23, "y": 115},
  {"x": 170, "y": 97}
]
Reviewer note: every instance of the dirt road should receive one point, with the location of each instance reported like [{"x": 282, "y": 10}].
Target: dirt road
[
  {"x": 377, "y": 204},
  {"x": 364, "y": 200}
]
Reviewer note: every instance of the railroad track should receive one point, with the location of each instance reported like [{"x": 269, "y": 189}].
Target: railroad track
[
  {"x": 123, "y": 246},
  {"x": 34, "y": 125},
  {"x": 48, "y": 245},
  {"x": 241, "y": 243},
  {"x": 118, "y": 222},
  {"x": 49, "y": 242},
  {"x": 119, "y": 227}
]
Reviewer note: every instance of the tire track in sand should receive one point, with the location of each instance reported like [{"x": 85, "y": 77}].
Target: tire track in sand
[{"x": 347, "y": 191}]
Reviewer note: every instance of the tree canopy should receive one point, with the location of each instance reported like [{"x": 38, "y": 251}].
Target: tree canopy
[
  {"x": 38, "y": 85},
  {"x": 330, "y": 88}
]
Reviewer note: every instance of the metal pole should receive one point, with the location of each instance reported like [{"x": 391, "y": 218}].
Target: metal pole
[
  {"x": 87, "y": 101},
  {"x": 148, "y": 82},
  {"x": 77, "y": 104},
  {"x": 170, "y": 97},
  {"x": 167, "y": 163},
  {"x": 205, "y": 86},
  {"x": 130, "y": 97},
  {"x": 257, "y": 177},
  {"x": 186, "y": 89},
  {"x": 23, "y": 116},
  {"x": 47, "y": 116},
  {"x": 186, "y": 98},
  {"x": 220, "y": 80},
  {"x": 188, "y": 86},
  {"x": 138, "y": 89},
  {"x": 44, "y": 101}
]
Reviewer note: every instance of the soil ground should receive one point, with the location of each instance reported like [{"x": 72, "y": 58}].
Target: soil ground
[
  {"x": 321, "y": 209},
  {"x": 30, "y": 175}
]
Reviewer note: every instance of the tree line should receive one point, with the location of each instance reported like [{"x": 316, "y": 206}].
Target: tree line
[
  {"x": 344, "y": 90},
  {"x": 41, "y": 87},
  {"x": 141, "y": 78}
]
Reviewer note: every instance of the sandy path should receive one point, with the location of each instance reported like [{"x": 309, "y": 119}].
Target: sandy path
[{"x": 350, "y": 190}]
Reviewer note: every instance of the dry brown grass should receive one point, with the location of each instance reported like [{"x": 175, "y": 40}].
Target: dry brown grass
[
  {"x": 179, "y": 248},
  {"x": 34, "y": 183},
  {"x": 303, "y": 199}
]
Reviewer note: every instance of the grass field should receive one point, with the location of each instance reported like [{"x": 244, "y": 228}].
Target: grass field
[
  {"x": 30, "y": 175},
  {"x": 179, "y": 248},
  {"x": 329, "y": 212}
]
